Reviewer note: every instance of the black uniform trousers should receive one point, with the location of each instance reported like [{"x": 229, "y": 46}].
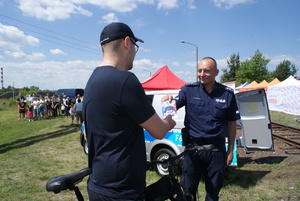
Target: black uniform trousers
[{"x": 209, "y": 164}]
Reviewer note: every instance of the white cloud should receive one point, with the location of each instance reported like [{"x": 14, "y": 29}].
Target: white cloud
[
  {"x": 57, "y": 52},
  {"x": 186, "y": 76},
  {"x": 275, "y": 60},
  {"x": 222, "y": 63},
  {"x": 109, "y": 18},
  {"x": 11, "y": 38},
  {"x": 116, "y": 5},
  {"x": 142, "y": 49},
  {"x": 191, "y": 63},
  {"x": 72, "y": 74},
  {"x": 191, "y": 4},
  {"x": 58, "y": 9},
  {"x": 175, "y": 63},
  {"x": 142, "y": 67},
  {"x": 21, "y": 55},
  {"x": 51, "y": 10},
  {"x": 146, "y": 64},
  {"x": 51, "y": 75},
  {"x": 167, "y": 4},
  {"x": 227, "y": 4}
]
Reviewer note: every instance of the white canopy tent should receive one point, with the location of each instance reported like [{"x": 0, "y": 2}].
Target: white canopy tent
[{"x": 285, "y": 96}]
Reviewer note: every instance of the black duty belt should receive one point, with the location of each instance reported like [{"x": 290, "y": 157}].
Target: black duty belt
[{"x": 203, "y": 141}]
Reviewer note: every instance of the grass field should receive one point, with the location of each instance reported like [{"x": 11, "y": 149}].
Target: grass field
[{"x": 33, "y": 152}]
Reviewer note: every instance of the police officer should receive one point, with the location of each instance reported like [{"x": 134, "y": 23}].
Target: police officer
[{"x": 211, "y": 114}]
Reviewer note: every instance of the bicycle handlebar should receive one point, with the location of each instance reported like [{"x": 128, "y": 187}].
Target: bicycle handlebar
[{"x": 208, "y": 147}]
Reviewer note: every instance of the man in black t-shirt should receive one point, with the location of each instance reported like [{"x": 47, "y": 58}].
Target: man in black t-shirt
[{"x": 115, "y": 111}]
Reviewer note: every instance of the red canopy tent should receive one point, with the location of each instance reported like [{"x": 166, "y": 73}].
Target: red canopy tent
[{"x": 163, "y": 79}]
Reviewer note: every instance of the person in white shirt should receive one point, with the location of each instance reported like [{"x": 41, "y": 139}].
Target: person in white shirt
[
  {"x": 78, "y": 108},
  {"x": 36, "y": 104}
]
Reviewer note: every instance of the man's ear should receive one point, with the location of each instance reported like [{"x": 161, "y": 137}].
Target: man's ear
[{"x": 126, "y": 42}]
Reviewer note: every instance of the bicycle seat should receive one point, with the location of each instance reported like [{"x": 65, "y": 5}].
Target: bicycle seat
[{"x": 67, "y": 181}]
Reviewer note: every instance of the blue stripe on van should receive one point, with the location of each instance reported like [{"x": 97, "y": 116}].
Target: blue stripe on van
[{"x": 173, "y": 136}]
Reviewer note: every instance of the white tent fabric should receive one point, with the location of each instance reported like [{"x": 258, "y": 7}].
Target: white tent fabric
[{"x": 285, "y": 96}]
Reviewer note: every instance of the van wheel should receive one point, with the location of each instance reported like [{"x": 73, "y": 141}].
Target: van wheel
[
  {"x": 84, "y": 143},
  {"x": 85, "y": 147},
  {"x": 164, "y": 154}
]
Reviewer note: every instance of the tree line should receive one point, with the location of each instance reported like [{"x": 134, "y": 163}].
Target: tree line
[
  {"x": 12, "y": 92},
  {"x": 255, "y": 68}
]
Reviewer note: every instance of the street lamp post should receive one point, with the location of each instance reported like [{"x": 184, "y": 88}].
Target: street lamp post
[{"x": 196, "y": 57}]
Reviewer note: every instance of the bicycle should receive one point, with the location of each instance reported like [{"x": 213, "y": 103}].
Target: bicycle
[{"x": 165, "y": 188}]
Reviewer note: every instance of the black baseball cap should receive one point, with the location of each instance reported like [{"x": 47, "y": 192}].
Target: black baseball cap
[{"x": 116, "y": 30}]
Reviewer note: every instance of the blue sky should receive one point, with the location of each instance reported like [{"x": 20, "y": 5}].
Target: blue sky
[{"x": 55, "y": 44}]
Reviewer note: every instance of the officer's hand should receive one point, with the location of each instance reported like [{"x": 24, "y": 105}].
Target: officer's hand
[
  {"x": 171, "y": 121},
  {"x": 229, "y": 158},
  {"x": 166, "y": 98}
]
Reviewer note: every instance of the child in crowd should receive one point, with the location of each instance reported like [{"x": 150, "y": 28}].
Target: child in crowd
[
  {"x": 30, "y": 112},
  {"x": 72, "y": 113}
]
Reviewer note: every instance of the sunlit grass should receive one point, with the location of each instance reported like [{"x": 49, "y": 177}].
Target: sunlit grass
[{"x": 33, "y": 152}]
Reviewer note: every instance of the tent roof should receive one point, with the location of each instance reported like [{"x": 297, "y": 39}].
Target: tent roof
[
  {"x": 273, "y": 82},
  {"x": 163, "y": 79},
  {"x": 263, "y": 84},
  {"x": 290, "y": 81},
  {"x": 250, "y": 86}
]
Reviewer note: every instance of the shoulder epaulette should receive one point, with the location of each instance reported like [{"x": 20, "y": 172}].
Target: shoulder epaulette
[
  {"x": 191, "y": 84},
  {"x": 229, "y": 89}
]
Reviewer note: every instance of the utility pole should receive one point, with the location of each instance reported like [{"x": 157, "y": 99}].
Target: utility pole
[{"x": 2, "y": 77}]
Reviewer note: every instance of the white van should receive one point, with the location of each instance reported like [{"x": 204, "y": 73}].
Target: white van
[{"x": 255, "y": 123}]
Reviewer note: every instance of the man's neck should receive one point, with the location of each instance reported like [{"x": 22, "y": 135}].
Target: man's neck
[{"x": 210, "y": 87}]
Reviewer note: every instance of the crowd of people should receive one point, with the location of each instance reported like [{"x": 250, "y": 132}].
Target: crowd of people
[{"x": 39, "y": 107}]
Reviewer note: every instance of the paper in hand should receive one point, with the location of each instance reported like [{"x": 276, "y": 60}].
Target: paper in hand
[{"x": 169, "y": 108}]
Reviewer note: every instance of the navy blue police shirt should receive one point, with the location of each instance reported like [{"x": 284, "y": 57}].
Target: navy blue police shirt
[{"x": 207, "y": 114}]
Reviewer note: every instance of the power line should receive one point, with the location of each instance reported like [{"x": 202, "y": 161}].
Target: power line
[
  {"x": 56, "y": 39},
  {"x": 69, "y": 37}
]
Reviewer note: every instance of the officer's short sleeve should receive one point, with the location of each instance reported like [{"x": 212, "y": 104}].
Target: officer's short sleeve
[{"x": 181, "y": 97}]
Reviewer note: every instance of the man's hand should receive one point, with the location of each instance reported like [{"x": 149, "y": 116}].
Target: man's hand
[
  {"x": 229, "y": 158},
  {"x": 171, "y": 121},
  {"x": 166, "y": 98}
]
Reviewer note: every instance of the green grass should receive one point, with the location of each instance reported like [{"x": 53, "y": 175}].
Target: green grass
[
  {"x": 283, "y": 118},
  {"x": 33, "y": 152}
]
